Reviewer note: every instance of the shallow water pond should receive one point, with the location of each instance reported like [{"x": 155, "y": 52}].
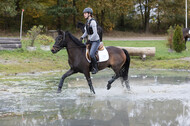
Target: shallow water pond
[{"x": 157, "y": 98}]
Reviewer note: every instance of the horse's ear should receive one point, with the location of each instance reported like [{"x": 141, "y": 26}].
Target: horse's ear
[{"x": 60, "y": 32}]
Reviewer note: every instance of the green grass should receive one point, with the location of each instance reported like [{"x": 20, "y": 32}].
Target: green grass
[
  {"x": 162, "y": 59},
  {"x": 161, "y": 49},
  {"x": 21, "y": 60}
]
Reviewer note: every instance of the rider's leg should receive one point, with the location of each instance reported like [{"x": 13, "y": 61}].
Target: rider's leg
[{"x": 94, "y": 48}]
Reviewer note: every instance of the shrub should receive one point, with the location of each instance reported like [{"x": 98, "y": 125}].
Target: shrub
[
  {"x": 178, "y": 42},
  {"x": 44, "y": 39},
  {"x": 170, "y": 37},
  {"x": 33, "y": 33}
]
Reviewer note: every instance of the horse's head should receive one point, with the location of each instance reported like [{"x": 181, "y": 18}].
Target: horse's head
[
  {"x": 59, "y": 42},
  {"x": 81, "y": 26}
]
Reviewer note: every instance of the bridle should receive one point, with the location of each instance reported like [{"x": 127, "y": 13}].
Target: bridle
[
  {"x": 60, "y": 43},
  {"x": 56, "y": 47}
]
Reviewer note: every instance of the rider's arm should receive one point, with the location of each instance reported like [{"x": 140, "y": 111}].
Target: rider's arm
[
  {"x": 94, "y": 36},
  {"x": 85, "y": 33}
]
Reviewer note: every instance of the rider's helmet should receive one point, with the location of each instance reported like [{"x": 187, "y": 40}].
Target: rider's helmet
[{"x": 88, "y": 10}]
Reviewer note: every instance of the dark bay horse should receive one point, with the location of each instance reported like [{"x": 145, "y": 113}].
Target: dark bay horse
[
  {"x": 186, "y": 34},
  {"x": 119, "y": 60},
  {"x": 99, "y": 29}
]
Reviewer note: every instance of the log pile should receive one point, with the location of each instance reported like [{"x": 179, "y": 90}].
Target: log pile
[{"x": 9, "y": 43}]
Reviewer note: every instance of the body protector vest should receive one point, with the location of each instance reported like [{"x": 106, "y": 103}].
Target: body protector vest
[{"x": 89, "y": 28}]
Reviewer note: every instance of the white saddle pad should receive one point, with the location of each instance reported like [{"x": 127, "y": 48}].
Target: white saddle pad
[{"x": 103, "y": 55}]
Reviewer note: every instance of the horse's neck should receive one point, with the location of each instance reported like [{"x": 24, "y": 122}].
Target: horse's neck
[{"x": 73, "y": 49}]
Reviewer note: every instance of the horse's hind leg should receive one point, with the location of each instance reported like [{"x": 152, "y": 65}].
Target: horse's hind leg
[
  {"x": 127, "y": 85},
  {"x": 111, "y": 81},
  {"x": 126, "y": 81}
]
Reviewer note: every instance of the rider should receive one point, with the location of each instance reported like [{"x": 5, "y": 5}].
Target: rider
[{"x": 94, "y": 39}]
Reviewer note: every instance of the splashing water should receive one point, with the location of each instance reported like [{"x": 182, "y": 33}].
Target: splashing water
[{"x": 154, "y": 100}]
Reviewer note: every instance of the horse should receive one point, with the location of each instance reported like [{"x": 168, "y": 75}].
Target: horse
[
  {"x": 186, "y": 34},
  {"x": 81, "y": 26},
  {"x": 119, "y": 60}
]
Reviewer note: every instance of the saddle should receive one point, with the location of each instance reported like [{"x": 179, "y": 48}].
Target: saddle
[{"x": 100, "y": 48}]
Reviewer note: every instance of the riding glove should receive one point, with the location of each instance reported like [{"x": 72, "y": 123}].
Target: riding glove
[{"x": 81, "y": 39}]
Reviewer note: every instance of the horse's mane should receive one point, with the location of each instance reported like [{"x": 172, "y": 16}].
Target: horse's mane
[{"x": 75, "y": 40}]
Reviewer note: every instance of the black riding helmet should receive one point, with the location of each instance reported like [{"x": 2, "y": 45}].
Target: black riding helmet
[{"x": 88, "y": 10}]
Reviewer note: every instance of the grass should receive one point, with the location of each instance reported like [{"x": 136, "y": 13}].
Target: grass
[
  {"x": 161, "y": 49},
  {"x": 21, "y": 60},
  {"x": 162, "y": 60}
]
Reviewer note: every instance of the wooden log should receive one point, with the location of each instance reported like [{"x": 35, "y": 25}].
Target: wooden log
[
  {"x": 9, "y": 42},
  {"x": 1, "y": 48},
  {"x": 7, "y": 39},
  {"x": 140, "y": 51},
  {"x": 10, "y": 45}
]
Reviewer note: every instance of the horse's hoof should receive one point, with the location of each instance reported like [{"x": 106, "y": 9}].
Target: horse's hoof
[
  {"x": 92, "y": 91},
  {"x": 59, "y": 91},
  {"x": 108, "y": 87},
  {"x": 129, "y": 89}
]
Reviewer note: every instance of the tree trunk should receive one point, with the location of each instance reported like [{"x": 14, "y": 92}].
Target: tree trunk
[
  {"x": 142, "y": 15},
  {"x": 58, "y": 17},
  {"x": 147, "y": 16},
  {"x": 158, "y": 19},
  {"x": 74, "y": 15},
  {"x": 102, "y": 18},
  {"x": 122, "y": 21}
]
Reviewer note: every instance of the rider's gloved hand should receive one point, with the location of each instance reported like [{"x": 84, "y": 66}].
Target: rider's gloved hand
[{"x": 81, "y": 39}]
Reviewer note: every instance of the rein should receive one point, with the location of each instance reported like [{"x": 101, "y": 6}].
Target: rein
[
  {"x": 61, "y": 46},
  {"x": 75, "y": 47}
]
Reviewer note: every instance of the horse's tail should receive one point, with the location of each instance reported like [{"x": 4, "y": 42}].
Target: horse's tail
[{"x": 125, "y": 68}]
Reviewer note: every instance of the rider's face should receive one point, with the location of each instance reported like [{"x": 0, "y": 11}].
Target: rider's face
[{"x": 86, "y": 15}]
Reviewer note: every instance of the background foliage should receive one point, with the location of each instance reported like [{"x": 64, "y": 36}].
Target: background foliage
[{"x": 126, "y": 15}]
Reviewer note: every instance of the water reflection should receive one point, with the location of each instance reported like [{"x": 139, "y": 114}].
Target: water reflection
[{"x": 154, "y": 101}]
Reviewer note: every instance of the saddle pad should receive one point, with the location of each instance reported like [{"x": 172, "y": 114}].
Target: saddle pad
[{"x": 102, "y": 54}]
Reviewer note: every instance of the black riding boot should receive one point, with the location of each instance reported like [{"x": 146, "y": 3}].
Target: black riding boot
[{"x": 94, "y": 66}]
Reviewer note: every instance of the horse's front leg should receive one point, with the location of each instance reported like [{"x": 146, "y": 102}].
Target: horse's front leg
[
  {"x": 68, "y": 73},
  {"x": 87, "y": 75}
]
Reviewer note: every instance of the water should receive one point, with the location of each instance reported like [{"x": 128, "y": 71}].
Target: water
[{"x": 157, "y": 98}]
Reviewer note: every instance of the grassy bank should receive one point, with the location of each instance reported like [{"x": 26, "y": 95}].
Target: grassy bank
[
  {"x": 21, "y": 60},
  {"x": 162, "y": 60}
]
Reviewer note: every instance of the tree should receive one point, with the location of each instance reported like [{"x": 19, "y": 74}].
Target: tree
[
  {"x": 178, "y": 42},
  {"x": 33, "y": 33},
  {"x": 7, "y": 10},
  {"x": 170, "y": 37},
  {"x": 145, "y": 7},
  {"x": 108, "y": 12},
  {"x": 63, "y": 8}
]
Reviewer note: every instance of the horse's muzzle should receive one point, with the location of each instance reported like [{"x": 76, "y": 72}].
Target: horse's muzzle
[{"x": 54, "y": 50}]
